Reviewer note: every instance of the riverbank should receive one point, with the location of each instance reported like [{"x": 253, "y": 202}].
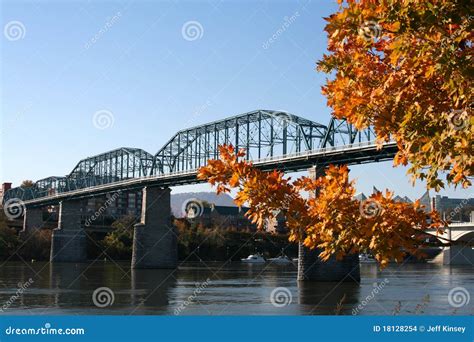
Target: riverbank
[{"x": 195, "y": 243}]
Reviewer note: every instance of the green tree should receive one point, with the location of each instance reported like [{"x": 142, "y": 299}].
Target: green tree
[{"x": 118, "y": 243}]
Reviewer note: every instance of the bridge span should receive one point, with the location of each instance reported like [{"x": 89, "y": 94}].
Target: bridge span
[
  {"x": 272, "y": 140},
  {"x": 356, "y": 153},
  {"x": 462, "y": 252}
]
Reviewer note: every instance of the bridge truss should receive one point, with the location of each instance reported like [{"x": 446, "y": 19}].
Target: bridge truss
[{"x": 262, "y": 133}]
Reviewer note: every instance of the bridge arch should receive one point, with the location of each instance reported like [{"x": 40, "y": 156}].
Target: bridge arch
[{"x": 467, "y": 236}]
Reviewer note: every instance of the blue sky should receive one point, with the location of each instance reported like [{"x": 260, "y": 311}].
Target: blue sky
[{"x": 132, "y": 59}]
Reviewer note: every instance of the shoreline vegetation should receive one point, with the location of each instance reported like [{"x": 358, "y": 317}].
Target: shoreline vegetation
[{"x": 195, "y": 242}]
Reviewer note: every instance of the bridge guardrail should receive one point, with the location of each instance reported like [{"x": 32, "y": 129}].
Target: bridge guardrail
[{"x": 146, "y": 179}]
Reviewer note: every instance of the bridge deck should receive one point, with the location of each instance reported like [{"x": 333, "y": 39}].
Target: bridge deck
[{"x": 349, "y": 154}]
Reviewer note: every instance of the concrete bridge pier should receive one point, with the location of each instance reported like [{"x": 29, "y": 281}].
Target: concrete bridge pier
[
  {"x": 68, "y": 241},
  {"x": 155, "y": 242},
  {"x": 32, "y": 221},
  {"x": 312, "y": 268},
  {"x": 461, "y": 252},
  {"x": 458, "y": 255}
]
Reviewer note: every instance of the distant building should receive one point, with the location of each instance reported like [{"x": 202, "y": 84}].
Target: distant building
[
  {"x": 114, "y": 205},
  {"x": 360, "y": 196},
  {"x": 451, "y": 209},
  {"x": 454, "y": 209},
  {"x": 225, "y": 216},
  {"x": 103, "y": 210},
  {"x": 425, "y": 201},
  {"x": 5, "y": 188},
  {"x": 404, "y": 199}
]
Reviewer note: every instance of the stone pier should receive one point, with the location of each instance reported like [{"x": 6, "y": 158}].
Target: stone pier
[
  {"x": 68, "y": 241},
  {"x": 32, "y": 221},
  {"x": 155, "y": 242},
  {"x": 458, "y": 255},
  {"x": 312, "y": 268},
  {"x": 461, "y": 251}
]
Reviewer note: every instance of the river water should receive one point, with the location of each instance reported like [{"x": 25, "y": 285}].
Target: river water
[{"x": 231, "y": 289}]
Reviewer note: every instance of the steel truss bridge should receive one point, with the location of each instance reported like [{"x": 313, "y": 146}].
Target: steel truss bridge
[{"x": 272, "y": 139}]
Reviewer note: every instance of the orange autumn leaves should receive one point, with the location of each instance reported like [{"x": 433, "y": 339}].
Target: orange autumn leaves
[
  {"x": 334, "y": 221},
  {"x": 406, "y": 67}
]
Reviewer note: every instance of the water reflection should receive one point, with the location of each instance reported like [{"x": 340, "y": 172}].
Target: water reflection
[
  {"x": 230, "y": 289},
  {"x": 68, "y": 283},
  {"x": 328, "y": 298},
  {"x": 151, "y": 289}
]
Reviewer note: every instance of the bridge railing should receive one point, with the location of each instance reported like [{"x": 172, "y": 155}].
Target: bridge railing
[
  {"x": 176, "y": 174},
  {"x": 316, "y": 151}
]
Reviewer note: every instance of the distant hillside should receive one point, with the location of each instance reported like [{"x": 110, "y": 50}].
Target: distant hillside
[{"x": 177, "y": 200}]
